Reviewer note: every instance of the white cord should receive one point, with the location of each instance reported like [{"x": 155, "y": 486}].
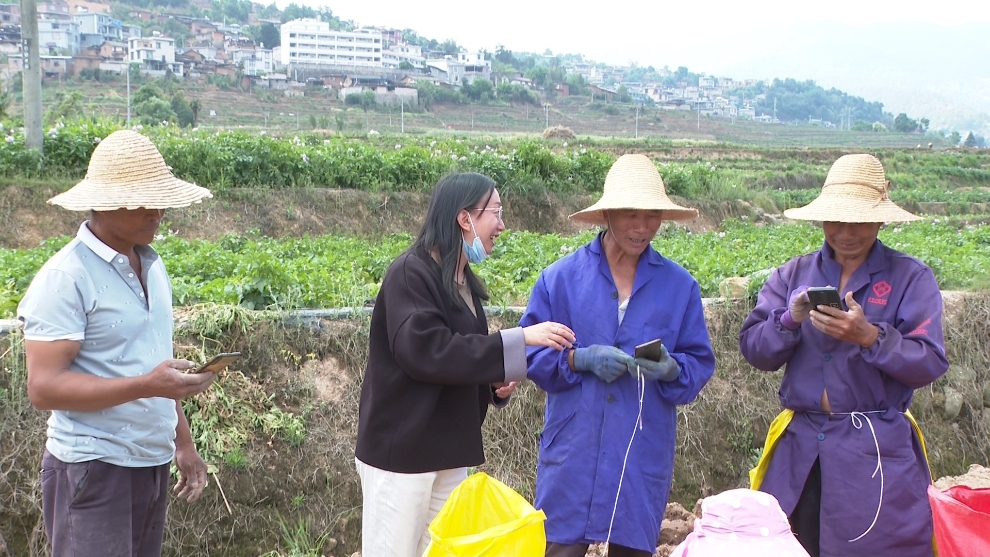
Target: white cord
[
  {"x": 638, "y": 425},
  {"x": 858, "y": 424}
]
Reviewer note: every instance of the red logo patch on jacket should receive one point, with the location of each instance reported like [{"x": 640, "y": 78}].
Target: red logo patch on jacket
[
  {"x": 921, "y": 330},
  {"x": 881, "y": 289}
]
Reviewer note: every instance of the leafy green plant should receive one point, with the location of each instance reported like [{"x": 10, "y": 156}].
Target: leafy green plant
[
  {"x": 235, "y": 458},
  {"x": 241, "y": 273},
  {"x": 240, "y": 158},
  {"x": 300, "y": 540}
]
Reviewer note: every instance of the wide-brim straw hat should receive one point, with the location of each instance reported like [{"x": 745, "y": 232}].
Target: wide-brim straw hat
[
  {"x": 126, "y": 171},
  {"x": 633, "y": 182},
  {"x": 855, "y": 190}
]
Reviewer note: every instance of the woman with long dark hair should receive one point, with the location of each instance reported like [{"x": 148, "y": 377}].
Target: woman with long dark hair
[{"x": 433, "y": 368}]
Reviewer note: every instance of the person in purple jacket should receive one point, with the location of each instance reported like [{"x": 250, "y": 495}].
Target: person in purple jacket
[
  {"x": 607, "y": 448},
  {"x": 845, "y": 458}
]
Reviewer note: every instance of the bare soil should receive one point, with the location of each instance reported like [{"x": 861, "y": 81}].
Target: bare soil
[
  {"x": 26, "y": 219},
  {"x": 976, "y": 477}
]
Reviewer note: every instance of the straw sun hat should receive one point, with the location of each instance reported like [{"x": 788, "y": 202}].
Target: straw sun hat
[
  {"x": 126, "y": 171},
  {"x": 855, "y": 191},
  {"x": 633, "y": 182}
]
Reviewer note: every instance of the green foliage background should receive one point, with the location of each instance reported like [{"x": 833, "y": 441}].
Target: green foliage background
[
  {"x": 219, "y": 160},
  {"x": 257, "y": 272}
]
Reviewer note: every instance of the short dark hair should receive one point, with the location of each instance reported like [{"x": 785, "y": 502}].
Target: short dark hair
[{"x": 453, "y": 194}]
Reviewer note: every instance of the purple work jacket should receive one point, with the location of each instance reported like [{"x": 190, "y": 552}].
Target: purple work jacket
[
  {"x": 868, "y": 390},
  {"x": 588, "y": 422}
]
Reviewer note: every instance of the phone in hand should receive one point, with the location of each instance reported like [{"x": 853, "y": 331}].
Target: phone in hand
[
  {"x": 649, "y": 350},
  {"x": 824, "y": 296},
  {"x": 218, "y": 363}
]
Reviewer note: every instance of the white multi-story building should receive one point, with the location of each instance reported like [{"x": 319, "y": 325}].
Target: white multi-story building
[
  {"x": 311, "y": 41},
  {"x": 131, "y": 31},
  {"x": 156, "y": 55},
  {"x": 96, "y": 29},
  {"x": 58, "y": 36},
  {"x": 253, "y": 61},
  {"x": 469, "y": 65},
  {"x": 100, "y": 24},
  {"x": 727, "y": 83},
  {"x": 399, "y": 53}
]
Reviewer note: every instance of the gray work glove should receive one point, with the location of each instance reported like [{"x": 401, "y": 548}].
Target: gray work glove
[
  {"x": 607, "y": 362},
  {"x": 667, "y": 369}
]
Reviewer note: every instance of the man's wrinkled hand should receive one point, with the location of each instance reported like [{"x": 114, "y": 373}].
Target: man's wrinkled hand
[
  {"x": 192, "y": 475},
  {"x": 848, "y": 326}
]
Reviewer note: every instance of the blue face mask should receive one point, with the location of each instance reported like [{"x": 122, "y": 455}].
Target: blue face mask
[{"x": 474, "y": 251}]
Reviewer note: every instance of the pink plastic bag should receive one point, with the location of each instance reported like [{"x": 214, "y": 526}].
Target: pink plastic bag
[
  {"x": 740, "y": 523},
  {"x": 962, "y": 520}
]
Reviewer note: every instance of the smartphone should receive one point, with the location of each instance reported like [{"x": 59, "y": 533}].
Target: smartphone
[
  {"x": 649, "y": 350},
  {"x": 824, "y": 296},
  {"x": 218, "y": 363}
]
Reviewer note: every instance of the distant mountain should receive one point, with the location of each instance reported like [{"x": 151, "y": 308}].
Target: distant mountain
[{"x": 923, "y": 69}]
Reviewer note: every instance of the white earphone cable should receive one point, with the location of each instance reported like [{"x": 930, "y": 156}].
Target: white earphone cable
[{"x": 637, "y": 425}]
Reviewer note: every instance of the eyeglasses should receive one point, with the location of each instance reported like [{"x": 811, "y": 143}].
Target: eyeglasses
[{"x": 496, "y": 210}]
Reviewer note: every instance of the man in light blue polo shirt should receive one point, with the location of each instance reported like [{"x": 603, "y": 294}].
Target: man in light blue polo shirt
[{"x": 98, "y": 337}]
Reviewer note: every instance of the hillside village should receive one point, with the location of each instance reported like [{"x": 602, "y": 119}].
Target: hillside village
[{"x": 80, "y": 38}]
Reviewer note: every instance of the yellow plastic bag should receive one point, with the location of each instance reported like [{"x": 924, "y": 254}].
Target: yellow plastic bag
[{"x": 485, "y": 518}]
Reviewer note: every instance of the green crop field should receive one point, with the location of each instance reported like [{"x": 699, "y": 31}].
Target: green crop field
[
  {"x": 278, "y": 429},
  {"x": 330, "y": 271},
  {"x": 337, "y": 271}
]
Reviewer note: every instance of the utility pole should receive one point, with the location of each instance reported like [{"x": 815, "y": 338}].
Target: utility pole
[
  {"x": 129, "y": 94},
  {"x": 637, "y": 120},
  {"x": 546, "y": 112},
  {"x": 34, "y": 137},
  {"x": 775, "y": 108},
  {"x": 402, "y": 115},
  {"x": 699, "y": 115}
]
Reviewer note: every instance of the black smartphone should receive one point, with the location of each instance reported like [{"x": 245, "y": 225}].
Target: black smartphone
[
  {"x": 824, "y": 296},
  {"x": 218, "y": 363},
  {"x": 649, "y": 350}
]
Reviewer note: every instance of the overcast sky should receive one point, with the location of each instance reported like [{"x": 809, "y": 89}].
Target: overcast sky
[{"x": 657, "y": 33}]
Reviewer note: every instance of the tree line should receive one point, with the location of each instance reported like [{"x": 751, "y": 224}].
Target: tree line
[{"x": 799, "y": 101}]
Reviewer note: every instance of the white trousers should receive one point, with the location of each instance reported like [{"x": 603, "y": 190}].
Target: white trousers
[{"x": 398, "y": 508}]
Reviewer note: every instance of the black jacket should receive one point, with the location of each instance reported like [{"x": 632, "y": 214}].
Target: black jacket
[{"x": 426, "y": 388}]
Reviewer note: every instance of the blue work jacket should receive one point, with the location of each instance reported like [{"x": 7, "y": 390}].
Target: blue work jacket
[{"x": 589, "y": 423}]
